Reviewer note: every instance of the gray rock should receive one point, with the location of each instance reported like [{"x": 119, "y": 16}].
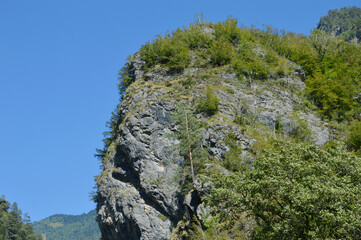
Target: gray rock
[{"x": 139, "y": 191}]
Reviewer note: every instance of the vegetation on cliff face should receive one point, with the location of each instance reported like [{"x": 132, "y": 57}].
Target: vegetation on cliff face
[
  {"x": 331, "y": 64},
  {"x": 189, "y": 135},
  {"x": 13, "y": 224},
  {"x": 287, "y": 187}
]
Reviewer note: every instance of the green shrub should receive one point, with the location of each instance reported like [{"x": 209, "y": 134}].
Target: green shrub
[
  {"x": 281, "y": 67},
  {"x": 220, "y": 52},
  {"x": 295, "y": 47},
  {"x": 173, "y": 52},
  {"x": 250, "y": 65},
  {"x": 180, "y": 58},
  {"x": 233, "y": 159},
  {"x": 209, "y": 103},
  {"x": 300, "y": 130},
  {"x": 193, "y": 36},
  {"x": 354, "y": 137},
  {"x": 228, "y": 30}
]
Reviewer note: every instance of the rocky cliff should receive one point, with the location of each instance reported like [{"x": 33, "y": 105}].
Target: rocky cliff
[{"x": 141, "y": 193}]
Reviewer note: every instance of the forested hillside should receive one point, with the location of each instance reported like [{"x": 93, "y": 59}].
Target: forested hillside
[{"x": 68, "y": 227}]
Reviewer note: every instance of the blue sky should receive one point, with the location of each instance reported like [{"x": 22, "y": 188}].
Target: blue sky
[{"x": 58, "y": 71}]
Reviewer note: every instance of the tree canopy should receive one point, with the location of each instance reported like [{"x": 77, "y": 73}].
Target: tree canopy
[
  {"x": 13, "y": 224},
  {"x": 295, "y": 191}
]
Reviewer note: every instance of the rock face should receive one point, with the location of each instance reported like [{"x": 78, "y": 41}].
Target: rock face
[{"x": 139, "y": 190}]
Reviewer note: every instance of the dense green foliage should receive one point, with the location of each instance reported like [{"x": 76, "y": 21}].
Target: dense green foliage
[
  {"x": 353, "y": 140},
  {"x": 13, "y": 224},
  {"x": 346, "y": 22},
  {"x": 65, "y": 227},
  {"x": 294, "y": 191},
  {"x": 331, "y": 64},
  {"x": 209, "y": 103}
]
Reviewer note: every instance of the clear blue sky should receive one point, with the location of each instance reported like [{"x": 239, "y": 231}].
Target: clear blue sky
[{"x": 58, "y": 72}]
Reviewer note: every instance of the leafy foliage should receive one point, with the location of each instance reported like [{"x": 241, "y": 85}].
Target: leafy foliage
[
  {"x": 194, "y": 37},
  {"x": 295, "y": 191},
  {"x": 354, "y": 137},
  {"x": 331, "y": 66},
  {"x": 13, "y": 224},
  {"x": 172, "y": 51},
  {"x": 228, "y": 30},
  {"x": 220, "y": 52},
  {"x": 65, "y": 227},
  {"x": 247, "y": 64},
  {"x": 209, "y": 103}
]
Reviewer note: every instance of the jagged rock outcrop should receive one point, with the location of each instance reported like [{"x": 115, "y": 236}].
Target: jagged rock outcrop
[{"x": 139, "y": 191}]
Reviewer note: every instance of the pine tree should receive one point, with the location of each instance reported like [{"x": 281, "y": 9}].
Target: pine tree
[
  {"x": 189, "y": 128},
  {"x": 12, "y": 225}
]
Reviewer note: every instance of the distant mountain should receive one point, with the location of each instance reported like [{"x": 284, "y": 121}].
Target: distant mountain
[
  {"x": 345, "y": 22},
  {"x": 68, "y": 227}
]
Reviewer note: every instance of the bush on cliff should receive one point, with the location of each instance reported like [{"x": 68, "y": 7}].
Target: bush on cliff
[{"x": 209, "y": 103}]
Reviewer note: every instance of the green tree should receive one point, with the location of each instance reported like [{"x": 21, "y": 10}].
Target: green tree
[
  {"x": 188, "y": 132},
  {"x": 13, "y": 226},
  {"x": 296, "y": 191},
  {"x": 14, "y": 221},
  {"x": 321, "y": 41}
]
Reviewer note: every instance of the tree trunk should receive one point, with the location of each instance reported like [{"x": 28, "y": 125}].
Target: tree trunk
[{"x": 189, "y": 146}]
